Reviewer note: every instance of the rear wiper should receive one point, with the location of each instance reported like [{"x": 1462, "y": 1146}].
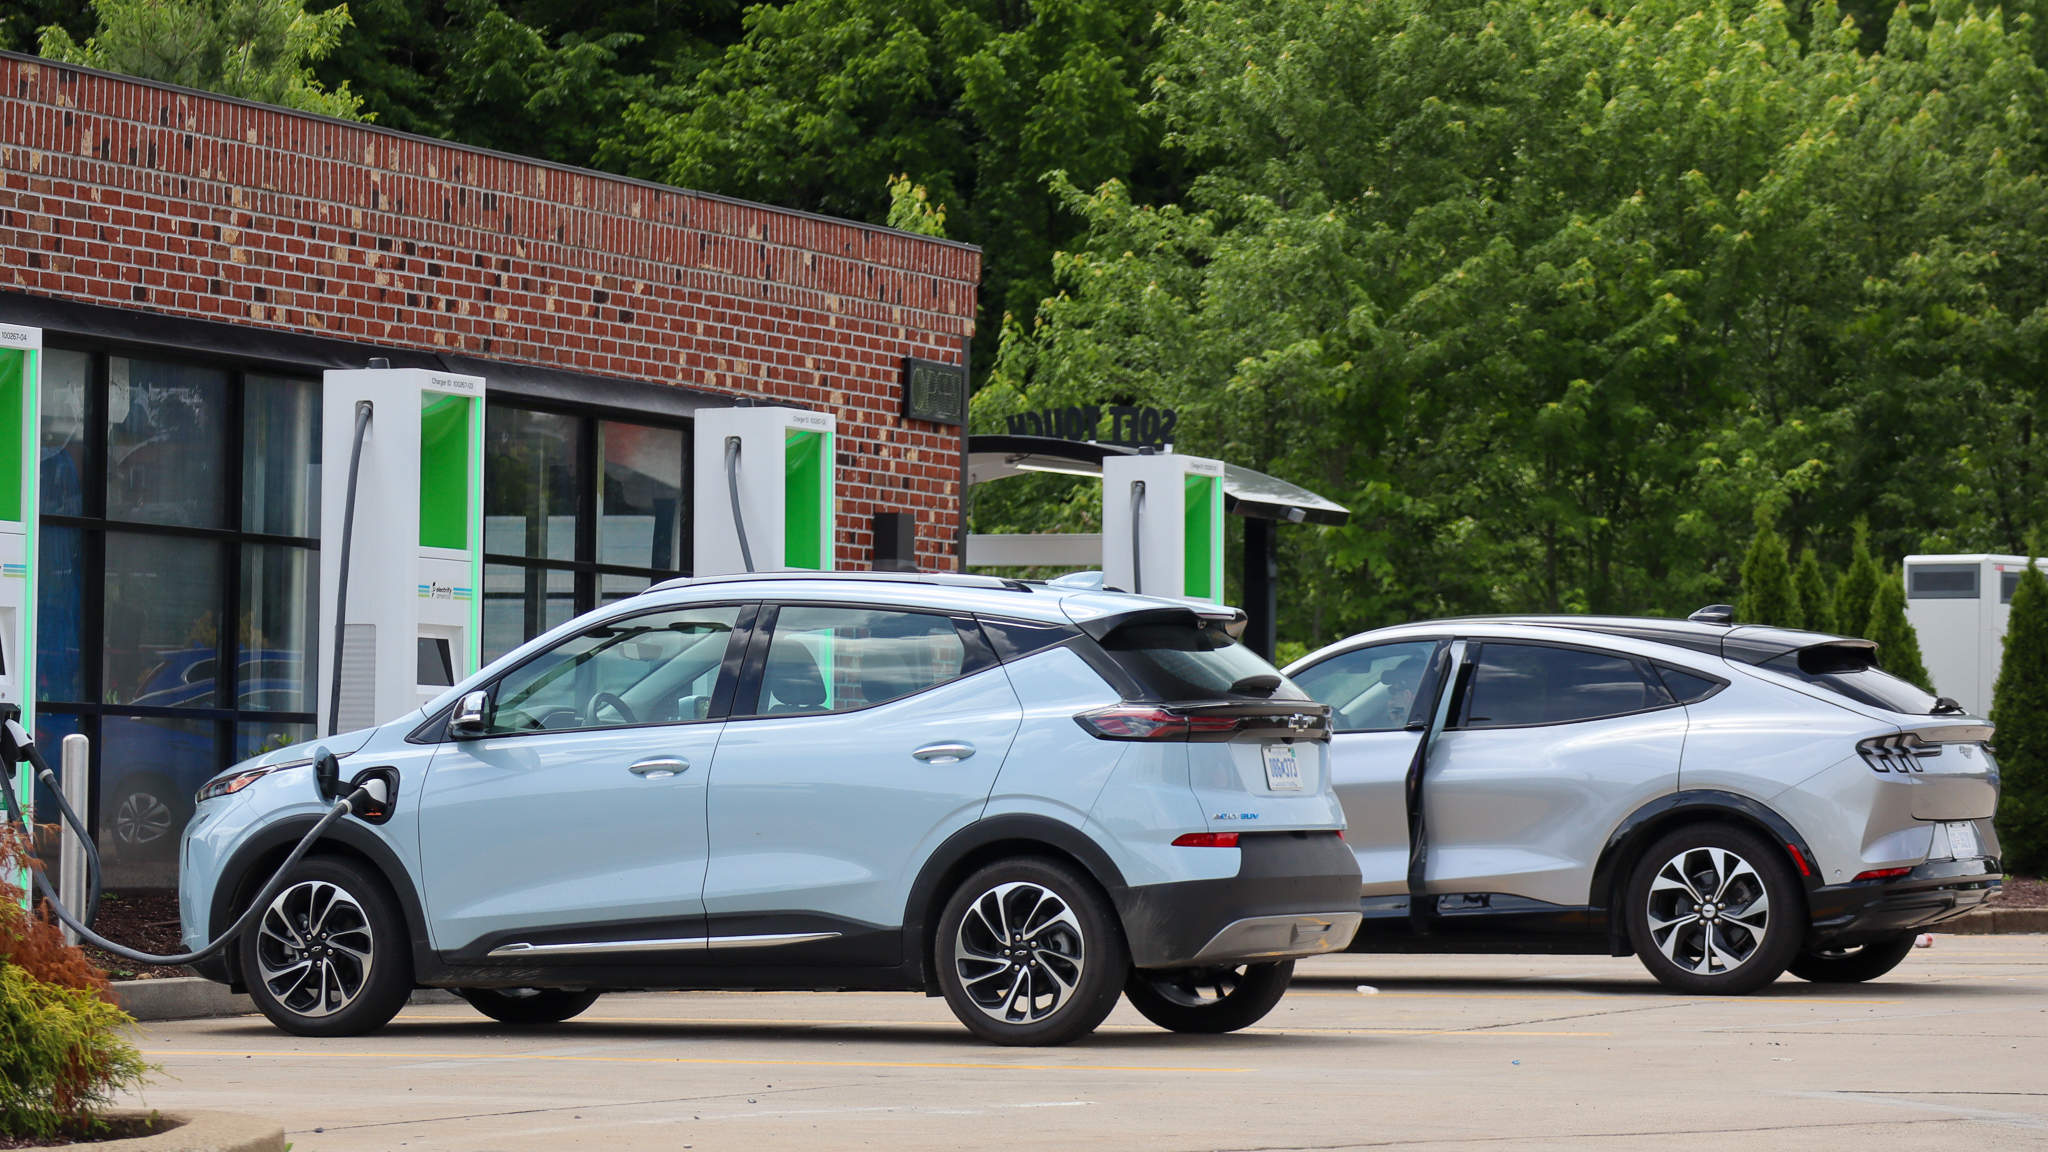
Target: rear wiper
[{"x": 1260, "y": 685}]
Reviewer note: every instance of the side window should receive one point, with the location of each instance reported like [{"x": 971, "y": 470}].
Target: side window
[
  {"x": 836, "y": 659},
  {"x": 657, "y": 668},
  {"x": 1519, "y": 684},
  {"x": 1371, "y": 689},
  {"x": 1688, "y": 687}
]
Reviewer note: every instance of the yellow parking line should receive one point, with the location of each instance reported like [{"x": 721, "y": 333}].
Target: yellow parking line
[{"x": 412, "y": 1057}]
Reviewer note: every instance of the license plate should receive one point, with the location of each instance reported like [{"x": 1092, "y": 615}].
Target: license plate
[
  {"x": 1283, "y": 767},
  {"x": 1962, "y": 841}
]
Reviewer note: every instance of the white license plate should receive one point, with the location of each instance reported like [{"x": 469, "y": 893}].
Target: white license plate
[
  {"x": 1962, "y": 840},
  {"x": 1283, "y": 767}
]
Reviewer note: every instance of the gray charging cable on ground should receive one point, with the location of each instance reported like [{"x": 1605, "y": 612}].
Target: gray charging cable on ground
[{"x": 21, "y": 747}]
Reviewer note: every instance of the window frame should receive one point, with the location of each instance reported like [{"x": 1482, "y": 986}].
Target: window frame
[
  {"x": 1475, "y": 651},
  {"x": 979, "y": 656},
  {"x": 1423, "y": 689}
]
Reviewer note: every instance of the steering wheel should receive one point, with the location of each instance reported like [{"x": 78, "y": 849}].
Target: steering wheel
[{"x": 617, "y": 705}]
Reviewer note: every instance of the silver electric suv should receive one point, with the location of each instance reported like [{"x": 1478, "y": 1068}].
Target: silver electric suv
[
  {"x": 1027, "y": 799},
  {"x": 1724, "y": 801}
]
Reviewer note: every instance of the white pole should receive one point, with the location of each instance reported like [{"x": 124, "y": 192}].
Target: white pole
[{"x": 73, "y": 775}]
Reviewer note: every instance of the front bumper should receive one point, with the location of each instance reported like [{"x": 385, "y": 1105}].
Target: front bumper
[
  {"x": 1848, "y": 914},
  {"x": 1295, "y": 894}
]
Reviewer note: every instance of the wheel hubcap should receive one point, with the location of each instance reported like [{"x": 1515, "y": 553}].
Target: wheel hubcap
[
  {"x": 1708, "y": 911},
  {"x": 141, "y": 818},
  {"x": 314, "y": 949},
  {"x": 1019, "y": 953}
]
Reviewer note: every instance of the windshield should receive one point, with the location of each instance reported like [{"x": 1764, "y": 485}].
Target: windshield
[
  {"x": 1870, "y": 685},
  {"x": 1196, "y": 661}
]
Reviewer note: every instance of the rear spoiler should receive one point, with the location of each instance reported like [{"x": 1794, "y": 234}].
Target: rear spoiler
[{"x": 1231, "y": 619}]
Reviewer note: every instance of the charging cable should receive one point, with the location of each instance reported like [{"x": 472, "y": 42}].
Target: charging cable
[
  {"x": 376, "y": 790},
  {"x": 348, "y": 528},
  {"x": 732, "y": 485}
]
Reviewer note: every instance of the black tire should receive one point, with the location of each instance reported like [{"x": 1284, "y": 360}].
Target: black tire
[
  {"x": 1715, "y": 910},
  {"x": 335, "y": 924},
  {"x": 529, "y": 1005},
  {"x": 1064, "y": 951},
  {"x": 1208, "y": 1000},
  {"x": 1854, "y": 964}
]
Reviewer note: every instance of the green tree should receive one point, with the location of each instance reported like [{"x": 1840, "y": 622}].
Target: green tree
[
  {"x": 2019, "y": 706},
  {"x": 1768, "y": 595},
  {"x": 911, "y": 209},
  {"x": 1898, "y": 645},
  {"x": 254, "y": 49},
  {"x": 1810, "y": 588},
  {"x": 1856, "y": 588}
]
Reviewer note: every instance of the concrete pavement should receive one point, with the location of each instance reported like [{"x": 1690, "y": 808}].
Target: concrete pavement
[{"x": 1519, "y": 1052}]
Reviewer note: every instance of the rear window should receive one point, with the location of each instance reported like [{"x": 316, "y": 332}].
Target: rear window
[
  {"x": 1195, "y": 661},
  {"x": 1848, "y": 672}
]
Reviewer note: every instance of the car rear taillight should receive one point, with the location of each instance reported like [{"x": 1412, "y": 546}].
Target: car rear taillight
[
  {"x": 1900, "y": 753},
  {"x": 1150, "y": 722},
  {"x": 1207, "y": 840},
  {"x": 1883, "y": 873}
]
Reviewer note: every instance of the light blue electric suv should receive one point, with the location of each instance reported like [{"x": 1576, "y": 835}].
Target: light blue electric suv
[{"x": 1025, "y": 798}]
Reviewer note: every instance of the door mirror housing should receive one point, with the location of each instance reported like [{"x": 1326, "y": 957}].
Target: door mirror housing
[{"x": 467, "y": 721}]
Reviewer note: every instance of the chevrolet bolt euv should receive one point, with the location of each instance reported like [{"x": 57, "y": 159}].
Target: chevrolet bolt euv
[
  {"x": 1027, "y": 799},
  {"x": 1723, "y": 801}
]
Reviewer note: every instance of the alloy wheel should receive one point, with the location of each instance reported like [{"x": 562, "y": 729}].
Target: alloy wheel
[
  {"x": 1196, "y": 987},
  {"x": 142, "y": 818},
  {"x": 1019, "y": 953},
  {"x": 1708, "y": 911},
  {"x": 315, "y": 948}
]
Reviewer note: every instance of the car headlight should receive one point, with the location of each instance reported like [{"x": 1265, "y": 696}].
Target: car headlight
[{"x": 239, "y": 778}]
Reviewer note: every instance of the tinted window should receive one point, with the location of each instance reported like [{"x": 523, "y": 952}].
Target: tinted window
[
  {"x": 1016, "y": 638},
  {"x": 1370, "y": 689},
  {"x": 1687, "y": 687},
  {"x": 1516, "y": 684},
  {"x": 1195, "y": 660},
  {"x": 1941, "y": 582},
  {"x": 651, "y": 669},
  {"x": 1865, "y": 685},
  {"x": 834, "y": 659}
]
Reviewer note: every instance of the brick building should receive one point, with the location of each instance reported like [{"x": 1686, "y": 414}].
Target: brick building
[{"x": 196, "y": 261}]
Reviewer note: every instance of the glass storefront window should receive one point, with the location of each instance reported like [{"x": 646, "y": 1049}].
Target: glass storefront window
[
  {"x": 66, "y": 375},
  {"x": 281, "y": 456},
  {"x": 643, "y": 496},
  {"x": 533, "y": 478},
  {"x": 149, "y": 769},
  {"x": 162, "y": 618},
  {"x": 166, "y": 442},
  {"x": 280, "y": 594},
  {"x": 521, "y": 603},
  {"x": 254, "y": 738},
  {"x": 60, "y": 614}
]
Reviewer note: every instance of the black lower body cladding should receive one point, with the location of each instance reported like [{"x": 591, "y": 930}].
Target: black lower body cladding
[
  {"x": 1279, "y": 873},
  {"x": 1850, "y": 914}
]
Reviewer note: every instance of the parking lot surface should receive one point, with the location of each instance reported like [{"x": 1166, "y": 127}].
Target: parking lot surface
[{"x": 1446, "y": 1053}]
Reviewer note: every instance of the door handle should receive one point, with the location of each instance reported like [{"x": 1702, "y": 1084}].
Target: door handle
[
  {"x": 944, "y": 753},
  {"x": 659, "y": 767}
]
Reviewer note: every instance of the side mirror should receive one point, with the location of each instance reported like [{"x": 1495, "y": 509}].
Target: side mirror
[{"x": 467, "y": 721}]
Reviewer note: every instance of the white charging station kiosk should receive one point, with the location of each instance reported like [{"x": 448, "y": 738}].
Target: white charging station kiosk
[
  {"x": 414, "y": 605},
  {"x": 764, "y": 490},
  {"x": 1959, "y": 605},
  {"x": 21, "y": 358},
  {"x": 1162, "y": 526}
]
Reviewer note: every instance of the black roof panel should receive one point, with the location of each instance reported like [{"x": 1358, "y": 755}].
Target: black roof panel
[{"x": 1749, "y": 643}]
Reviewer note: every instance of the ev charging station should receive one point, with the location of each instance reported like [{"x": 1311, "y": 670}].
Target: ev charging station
[
  {"x": 764, "y": 490},
  {"x": 21, "y": 355},
  {"x": 1162, "y": 525},
  {"x": 410, "y": 607},
  {"x": 1959, "y": 606}
]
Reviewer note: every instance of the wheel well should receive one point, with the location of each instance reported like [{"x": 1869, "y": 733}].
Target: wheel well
[
  {"x": 258, "y": 873},
  {"x": 1621, "y": 859},
  {"x": 959, "y": 870}
]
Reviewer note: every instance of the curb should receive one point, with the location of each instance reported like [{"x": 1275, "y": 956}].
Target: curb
[
  {"x": 1995, "y": 921},
  {"x": 194, "y": 998},
  {"x": 197, "y": 1131}
]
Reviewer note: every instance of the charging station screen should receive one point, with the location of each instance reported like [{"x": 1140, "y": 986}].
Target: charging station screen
[
  {"x": 444, "y": 470},
  {"x": 15, "y": 364},
  {"x": 1198, "y": 553},
  {"x": 807, "y": 463}
]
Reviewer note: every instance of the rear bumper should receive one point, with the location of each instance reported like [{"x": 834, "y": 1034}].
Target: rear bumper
[
  {"x": 1295, "y": 894},
  {"x": 1848, "y": 914}
]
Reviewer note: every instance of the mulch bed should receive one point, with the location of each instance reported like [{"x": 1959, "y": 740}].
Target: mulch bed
[
  {"x": 121, "y": 1129},
  {"x": 2022, "y": 892},
  {"x": 145, "y": 919}
]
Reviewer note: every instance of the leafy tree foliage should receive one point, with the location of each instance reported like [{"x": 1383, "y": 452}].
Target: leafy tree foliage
[
  {"x": 254, "y": 49},
  {"x": 1898, "y": 645},
  {"x": 1857, "y": 587},
  {"x": 1810, "y": 589},
  {"x": 1552, "y": 297},
  {"x": 1767, "y": 593},
  {"x": 2019, "y": 706}
]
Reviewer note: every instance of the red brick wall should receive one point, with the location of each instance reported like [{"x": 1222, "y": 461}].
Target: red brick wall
[{"x": 116, "y": 191}]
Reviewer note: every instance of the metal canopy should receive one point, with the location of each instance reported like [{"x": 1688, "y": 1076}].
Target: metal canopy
[{"x": 1245, "y": 492}]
